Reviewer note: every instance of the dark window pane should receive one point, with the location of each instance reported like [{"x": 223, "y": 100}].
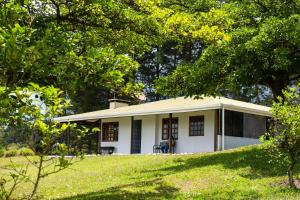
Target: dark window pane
[
  {"x": 110, "y": 131},
  {"x": 165, "y": 128},
  {"x": 196, "y": 126}
]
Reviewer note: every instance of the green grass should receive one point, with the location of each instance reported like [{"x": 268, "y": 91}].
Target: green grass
[{"x": 236, "y": 174}]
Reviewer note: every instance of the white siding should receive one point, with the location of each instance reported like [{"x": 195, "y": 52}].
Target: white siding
[
  {"x": 124, "y": 138},
  {"x": 192, "y": 144},
  {"x": 148, "y": 133},
  {"x": 152, "y": 133}
]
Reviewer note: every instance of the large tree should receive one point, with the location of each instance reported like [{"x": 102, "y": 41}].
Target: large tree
[
  {"x": 261, "y": 48},
  {"x": 189, "y": 26},
  {"x": 162, "y": 60},
  {"x": 76, "y": 44}
]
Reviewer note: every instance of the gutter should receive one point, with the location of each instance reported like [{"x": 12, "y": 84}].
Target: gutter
[{"x": 162, "y": 111}]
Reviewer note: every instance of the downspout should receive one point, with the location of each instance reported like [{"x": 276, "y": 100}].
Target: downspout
[
  {"x": 223, "y": 127},
  {"x": 156, "y": 138},
  {"x": 131, "y": 142},
  {"x": 170, "y": 133},
  {"x": 99, "y": 137}
]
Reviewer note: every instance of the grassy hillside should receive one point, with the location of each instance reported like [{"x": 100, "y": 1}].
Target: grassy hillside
[{"x": 236, "y": 174}]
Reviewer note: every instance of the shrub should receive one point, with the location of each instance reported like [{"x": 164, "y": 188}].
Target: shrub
[
  {"x": 12, "y": 146},
  {"x": 11, "y": 153},
  {"x": 25, "y": 152},
  {"x": 2, "y": 151},
  {"x": 284, "y": 134}
]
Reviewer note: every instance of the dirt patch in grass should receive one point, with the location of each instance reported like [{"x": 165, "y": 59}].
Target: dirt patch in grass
[{"x": 286, "y": 183}]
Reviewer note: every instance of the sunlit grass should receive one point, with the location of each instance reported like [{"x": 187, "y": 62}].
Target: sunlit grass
[{"x": 237, "y": 174}]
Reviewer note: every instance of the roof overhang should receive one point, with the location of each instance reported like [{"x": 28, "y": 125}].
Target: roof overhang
[{"x": 94, "y": 116}]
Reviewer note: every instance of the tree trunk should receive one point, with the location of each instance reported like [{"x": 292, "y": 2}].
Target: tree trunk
[
  {"x": 278, "y": 84},
  {"x": 157, "y": 71},
  {"x": 37, "y": 181},
  {"x": 276, "y": 94},
  {"x": 291, "y": 175}
]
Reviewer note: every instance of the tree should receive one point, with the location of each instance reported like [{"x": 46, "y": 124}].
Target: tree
[
  {"x": 190, "y": 26},
  {"x": 284, "y": 135},
  {"x": 76, "y": 44},
  {"x": 32, "y": 110},
  {"x": 161, "y": 61},
  {"x": 261, "y": 48}
]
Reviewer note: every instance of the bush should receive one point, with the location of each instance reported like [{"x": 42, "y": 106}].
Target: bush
[
  {"x": 16, "y": 150},
  {"x": 25, "y": 152},
  {"x": 12, "y": 146},
  {"x": 11, "y": 153},
  {"x": 2, "y": 152}
]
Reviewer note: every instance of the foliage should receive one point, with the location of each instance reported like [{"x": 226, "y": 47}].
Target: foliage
[
  {"x": 2, "y": 152},
  {"x": 34, "y": 108},
  {"x": 25, "y": 152},
  {"x": 13, "y": 149},
  {"x": 13, "y": 146},
  {"x": 261, "y": 47},
  {"x": 77, "y": 44},
  {"x": 86, "y": 48},
  {"x": 11, "y": 153},
  {"x": 241, "y": 173},
  {"x": 189, "y": 26},
  {"x": 284, "y": 135},
  {"x": 161, "y": 61},
  {"x": 9, "y": 184}
]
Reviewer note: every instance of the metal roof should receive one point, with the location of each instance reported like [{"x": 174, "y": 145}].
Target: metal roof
[{"x": 175, "y": 105}]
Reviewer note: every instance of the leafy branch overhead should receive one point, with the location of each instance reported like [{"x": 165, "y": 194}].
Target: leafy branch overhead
[
  {"x": 260, "y": 47},
  {"x": 71, "y": 44}
]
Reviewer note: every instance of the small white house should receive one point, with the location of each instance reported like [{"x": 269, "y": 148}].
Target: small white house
[{"x": 196, "y": 125}]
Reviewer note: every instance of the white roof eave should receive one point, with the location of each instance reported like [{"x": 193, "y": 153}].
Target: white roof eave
[
  {"x": 93, "y": 116},
  {"x": 139, "y": 113}
]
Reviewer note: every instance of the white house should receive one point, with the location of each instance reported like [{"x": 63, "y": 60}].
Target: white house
[{"x": 196, "y": 125}]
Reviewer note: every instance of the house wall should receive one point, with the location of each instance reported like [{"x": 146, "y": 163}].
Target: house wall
[
  {"x": 124, "y": 138},
  {"x": 192, "y": 144},
  {"x": 148, "y": 133},
  {"x": 123, "y": 145},
  {"x": 152, "y": 133}
]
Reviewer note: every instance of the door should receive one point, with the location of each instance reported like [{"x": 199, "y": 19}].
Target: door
[{"x": 136, "y": 136}]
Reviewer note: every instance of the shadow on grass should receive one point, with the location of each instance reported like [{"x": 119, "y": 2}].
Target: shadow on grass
[
  {"x": 229, "y": 195},
  {"x": 159, "y": 190},
  {"x": 256, "y": 158}
]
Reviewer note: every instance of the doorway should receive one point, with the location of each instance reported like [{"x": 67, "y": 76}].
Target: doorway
[{"x": 136, "y": 137}]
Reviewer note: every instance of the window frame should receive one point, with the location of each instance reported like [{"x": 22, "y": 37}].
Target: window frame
[
  {"x": 198, "y": 130},
  {"x": 106, "y": 134},
  {"x": 165, "y": 121}
]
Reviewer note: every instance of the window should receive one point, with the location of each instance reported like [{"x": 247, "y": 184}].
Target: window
[
  {"x": 196, "y": 126},
  {"x": 165, "y": 128},
  {"x": 110, "y": 131},
  {"x": 234, "y": 123}
]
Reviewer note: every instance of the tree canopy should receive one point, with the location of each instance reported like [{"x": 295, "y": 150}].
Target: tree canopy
[
  {"x": 91, "y": 48},
  {"x": 76, "y": 44},
  {"x": 260, "y": 47}
]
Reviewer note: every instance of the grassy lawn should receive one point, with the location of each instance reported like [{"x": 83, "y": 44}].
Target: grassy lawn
[{"x": 236, "y": 174}]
